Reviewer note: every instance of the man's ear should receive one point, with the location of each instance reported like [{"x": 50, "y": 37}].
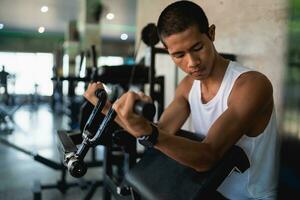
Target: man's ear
[{"x": 211, "y": 32}]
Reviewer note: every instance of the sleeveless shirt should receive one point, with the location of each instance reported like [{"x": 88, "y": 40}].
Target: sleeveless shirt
[{"x": 260, "y": 180}]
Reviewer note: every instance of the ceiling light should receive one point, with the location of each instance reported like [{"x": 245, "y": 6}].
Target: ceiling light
[
  {"x": 124, "y": 36},
  {"x": 44, "y": 9},
  {"x": 1, "y": 26},
  {"x": 41, "y": 29},
  {"x": 110, "y": 16}
]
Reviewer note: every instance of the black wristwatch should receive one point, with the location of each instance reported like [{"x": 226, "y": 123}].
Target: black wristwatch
[{"x": 149, "y": 140}]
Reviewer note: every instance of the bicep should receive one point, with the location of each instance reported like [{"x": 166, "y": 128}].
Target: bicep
[
  {"x": 251, "y": 99},
  {"x": 247, "y": 102}
]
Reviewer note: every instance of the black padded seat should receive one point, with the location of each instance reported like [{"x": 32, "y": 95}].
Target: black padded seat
[{"x": 158, "y": 177}]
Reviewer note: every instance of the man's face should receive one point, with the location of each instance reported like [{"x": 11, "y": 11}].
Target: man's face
[{"x": 192, "y": 51}]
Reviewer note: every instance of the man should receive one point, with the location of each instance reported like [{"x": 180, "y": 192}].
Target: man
[
  {"x": 3, "y": 79},
  {"x": 229, "y": 104}
]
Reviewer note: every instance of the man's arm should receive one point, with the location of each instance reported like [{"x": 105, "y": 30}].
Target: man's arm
[
  {"x": 250, "y": 105},
  {"x": 251, "y": 98},
  {"x": 178, "y": 111}
]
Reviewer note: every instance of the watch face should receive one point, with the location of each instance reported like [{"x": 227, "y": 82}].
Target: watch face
[
  {"x": 144, "y": 137},
  {"x": 145, "y": 141}
]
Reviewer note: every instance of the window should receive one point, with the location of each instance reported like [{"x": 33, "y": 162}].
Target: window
[{"x": 28, "y": 72}]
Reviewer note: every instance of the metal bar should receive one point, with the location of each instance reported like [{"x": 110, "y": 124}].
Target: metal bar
[{"x": 37, "y": 157}]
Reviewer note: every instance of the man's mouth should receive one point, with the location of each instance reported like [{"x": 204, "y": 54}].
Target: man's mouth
[{"x": 198, "y": 71}]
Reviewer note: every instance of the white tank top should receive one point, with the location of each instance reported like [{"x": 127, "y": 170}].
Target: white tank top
[{"x": 260, "y": 180}]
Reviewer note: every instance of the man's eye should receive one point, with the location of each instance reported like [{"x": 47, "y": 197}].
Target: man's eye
[
  {"x": 198, "y": 48},
  {"x": 178, "y": 55}
]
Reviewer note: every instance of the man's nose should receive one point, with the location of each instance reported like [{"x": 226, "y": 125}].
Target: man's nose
[{"x": 193, "y": 60}]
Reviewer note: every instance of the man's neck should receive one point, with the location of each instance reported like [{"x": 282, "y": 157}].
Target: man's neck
[
  {"x": 218, "y": 71},
  {"x": 211, "y": 85}
]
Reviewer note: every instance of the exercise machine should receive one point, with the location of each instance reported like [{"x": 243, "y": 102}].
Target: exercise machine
[{"x": 152, "y": 175}]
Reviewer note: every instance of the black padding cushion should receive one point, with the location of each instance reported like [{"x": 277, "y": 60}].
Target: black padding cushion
[{"x": 156, "y": 176}]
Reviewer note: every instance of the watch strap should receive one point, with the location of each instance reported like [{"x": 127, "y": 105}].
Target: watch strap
[{"x": 149, "y": 140}]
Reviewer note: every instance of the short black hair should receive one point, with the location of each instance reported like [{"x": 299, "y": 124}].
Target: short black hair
[{"x": 179, "y": 16}]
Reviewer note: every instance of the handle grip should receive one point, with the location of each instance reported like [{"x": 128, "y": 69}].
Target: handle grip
[
  {"x": 144, "y": 109},
  {"x": 76, "y": 165},
  {"x": 99, "y": 93}
]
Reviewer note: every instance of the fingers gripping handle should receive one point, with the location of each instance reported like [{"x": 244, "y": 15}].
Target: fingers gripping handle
[
  {"x": 102, "y": 98},
  {"x": 141, "y": 108},
  {"x": 76, "y": 165}
]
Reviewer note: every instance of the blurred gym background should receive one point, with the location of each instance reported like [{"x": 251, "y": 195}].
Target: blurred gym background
[{"x": 51, "y": 49}]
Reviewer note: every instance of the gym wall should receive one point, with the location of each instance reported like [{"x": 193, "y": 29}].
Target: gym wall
[{"x": 255, "y": 31}]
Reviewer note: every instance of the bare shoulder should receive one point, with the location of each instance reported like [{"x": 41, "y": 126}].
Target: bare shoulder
[
  {"x": 252, "y": 84},
  {"x": 253, "y": 79},
  {"x": 184, "y": 87}
]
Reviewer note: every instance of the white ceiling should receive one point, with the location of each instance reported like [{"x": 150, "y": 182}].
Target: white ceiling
[{"x": 25, "y": 15}]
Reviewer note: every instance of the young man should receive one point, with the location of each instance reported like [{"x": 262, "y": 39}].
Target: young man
[{"x": 229, "y": 104}]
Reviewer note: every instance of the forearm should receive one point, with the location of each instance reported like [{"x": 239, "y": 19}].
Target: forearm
[
  {"x": 170, "y": 121},
  {"x": 194, "y": 154}
]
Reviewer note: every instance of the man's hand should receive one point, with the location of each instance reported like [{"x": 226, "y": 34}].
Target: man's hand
[
  {"x": 134, "y": 124},
  {"x": 89, "y": 94}
]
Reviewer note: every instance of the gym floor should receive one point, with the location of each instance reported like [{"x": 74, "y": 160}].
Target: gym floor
[{"x": 34, "y": 130}]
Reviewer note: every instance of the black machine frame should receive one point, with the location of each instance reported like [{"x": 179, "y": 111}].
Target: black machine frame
[{"x": 155, "y": 176}]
